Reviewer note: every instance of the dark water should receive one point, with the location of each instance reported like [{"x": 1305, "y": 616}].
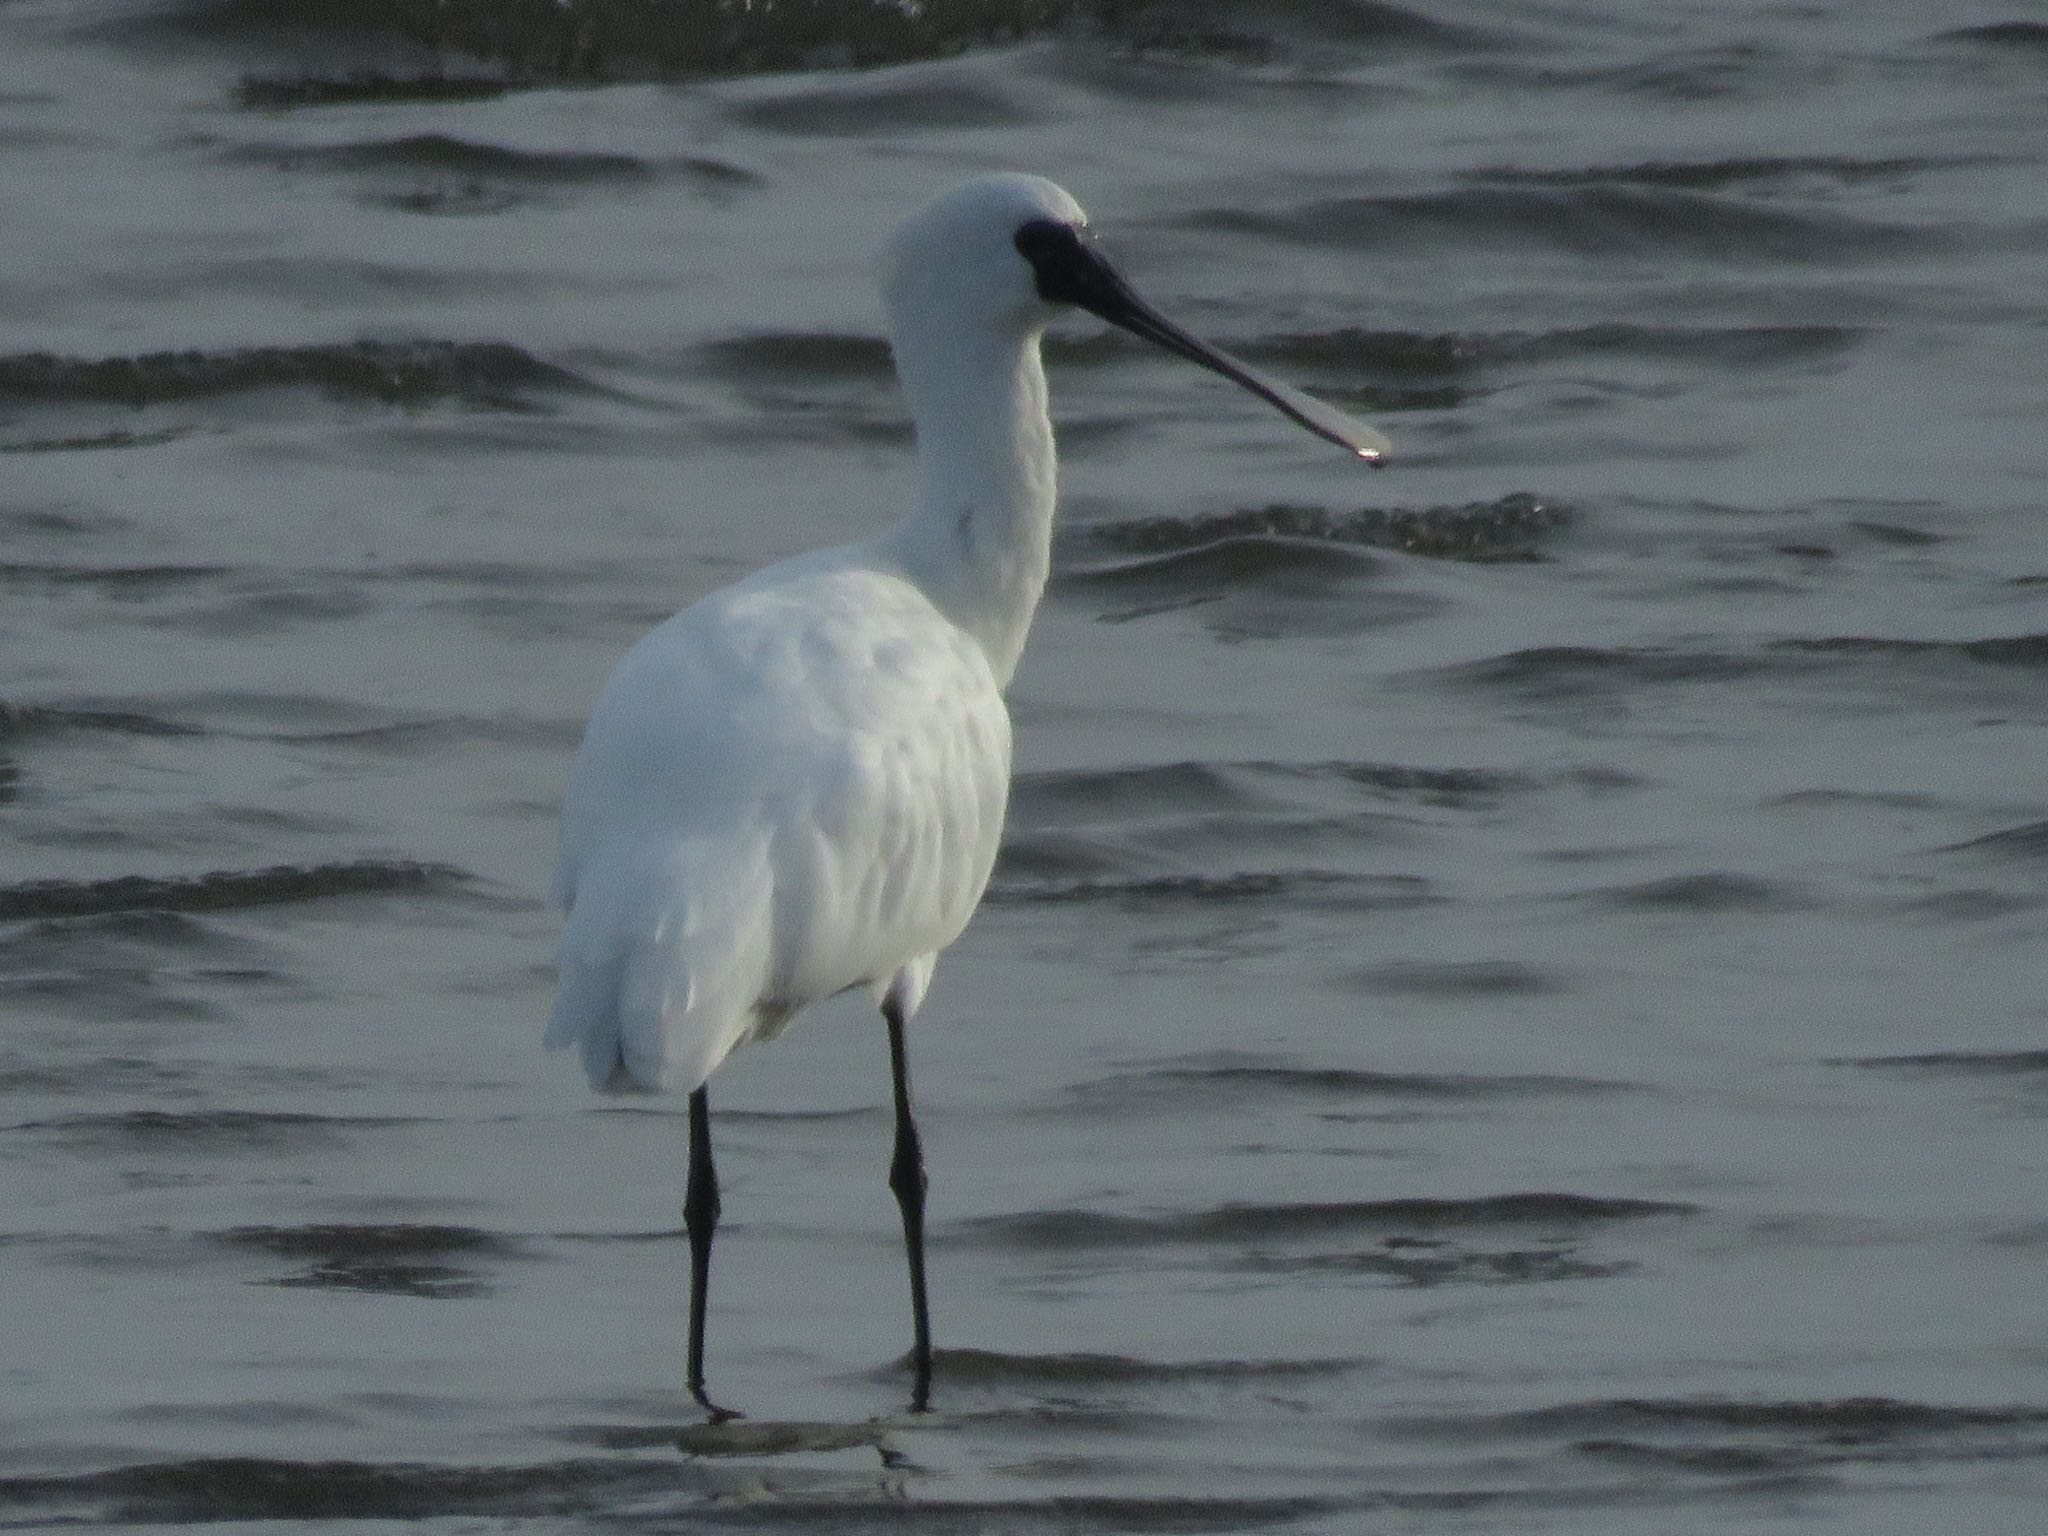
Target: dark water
[{"x": 1514, "y": 998}]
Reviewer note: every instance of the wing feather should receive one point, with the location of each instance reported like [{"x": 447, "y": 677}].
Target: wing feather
[{"x": 790, "y": 789}]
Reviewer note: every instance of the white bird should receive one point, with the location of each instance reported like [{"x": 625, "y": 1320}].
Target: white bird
[{"x": 796, "y": 786}]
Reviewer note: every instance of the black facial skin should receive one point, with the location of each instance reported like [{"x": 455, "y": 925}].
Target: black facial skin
[
  {"x": 1064, "y": 260},
  {"x": 1068, "y": 269}
]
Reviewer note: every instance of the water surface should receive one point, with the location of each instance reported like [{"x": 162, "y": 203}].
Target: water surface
[{"x": 1513, "y": 997}]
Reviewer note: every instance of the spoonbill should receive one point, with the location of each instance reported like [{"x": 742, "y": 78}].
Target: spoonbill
[{"x": 795, "y": 786}]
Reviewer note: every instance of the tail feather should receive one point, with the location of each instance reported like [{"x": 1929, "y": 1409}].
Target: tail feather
[
  {"x": 586, "y": 1014},
  {"x": 656, "y": 979}
]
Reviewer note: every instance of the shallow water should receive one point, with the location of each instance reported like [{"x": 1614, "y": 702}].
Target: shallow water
[{"x": 1513, "y": 997}]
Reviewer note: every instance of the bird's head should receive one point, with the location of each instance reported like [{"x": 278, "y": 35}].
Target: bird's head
[
  {"x": 1001, "y": 256},
  {"x": 957, "y": 261}
]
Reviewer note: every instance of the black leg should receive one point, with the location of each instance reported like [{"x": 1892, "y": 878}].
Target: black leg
[
  {"x": 906, "y": 1178},
  {"x": 700, "y": 1218}
]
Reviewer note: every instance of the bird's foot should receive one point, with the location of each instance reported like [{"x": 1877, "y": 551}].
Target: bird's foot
[{"x": 717, "y": 1414}]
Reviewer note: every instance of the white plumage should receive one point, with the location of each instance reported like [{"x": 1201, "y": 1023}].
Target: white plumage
[
  {"x": 792, "y": 788},
  {"x": 796, "y": 786}
]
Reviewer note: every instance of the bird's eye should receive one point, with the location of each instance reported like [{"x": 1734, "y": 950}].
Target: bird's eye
[
  {"x": 1057, "y": 253},
  {"x": 1042, "y": 238}
]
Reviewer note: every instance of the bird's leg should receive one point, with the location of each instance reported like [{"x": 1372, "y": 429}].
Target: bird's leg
[
  {"x": 906, "y": 1178},
  {"x": 700, "y": 1219}
]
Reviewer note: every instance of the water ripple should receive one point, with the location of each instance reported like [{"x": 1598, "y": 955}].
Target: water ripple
[
  {"x": 222, "y": 1131},
  {"x": 1311, "y": 888},
  {"x": 489, "y": 373},
  {"x": 225, "y": 889},
  {"x": 1229, "y": 1080},
  {"x": 1510, "y": 527},
  {"x": 384, "y": 1259},
  {"x": 1603, "y": 221},
  {"x": 1085, "y": 1229}
]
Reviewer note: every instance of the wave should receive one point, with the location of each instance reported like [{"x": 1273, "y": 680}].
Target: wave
[
  {"x": 100, "y": 1077},
  {"x": 1748, "y": 1438},
  {"x": 1257, "y": 540},
  {"x": 2028, "y": 841},
  {"x": 1846, "y": 1422},
  {"x": 400, "y": 47},
  {"x": 128, "y": 581},
  {"x": 1157, "y": 833},
  {"x": 546, "y": 42},
  {"x": 1148, "y": 788},
  {"x": 397, "y": 51},
  {"x": 219, "y": 1488},
  {"x": 778, "y": 357},
  {"x": 1604, "y": 221},
  {"x": 399, "y": 738},
  {"x": 2020, "y": 36},
  {"x": 468, "y": 157},
  {"x": 1143, "y": 789},
  {"x": 1683, "y": 74},
  {"x": 1320, "y": 888},
  {"x": 1228, "y": 1079},
  {"x": 1739, "y": 171},
  {"x": 84, "y": 442},
  {"x": 1972, "y": 904},
  {"x": 1561, "y": 671},
  {"x": 273, "y": 93},
  {"x": 384, "y": 1259},
  {"x": 1372, "y": 22},
  {"x": 1409, "y": 1262},
  {"x": 998, "y": 1368},
  {"x": 877, "y": 107},
  {"x": 226, "y": 889},
  {"x": 156, "y": 1131},
  {"x": 1459, "y": 979},
  {"x": 761, "y": 356},
  {"x": 1230, "y": 560},
  {"x": 485, "y": 373},
  {"x": 2019, "y": 1063},
  {"x": 1996, "y": 650},
  {"x": 1707, "y": 891},
  {"x": 441, "y": 173},
  {"x": 740, "y": 1437},
  {"x": 1407, "y": 356},
  {"x": 1575, "y": 671},
  {"x": 1428, "y": 785},
  {"x": 281, "y": 1489},
  {"x": 20, "y": 720},
  {"x": 1086, "y": 1229}
]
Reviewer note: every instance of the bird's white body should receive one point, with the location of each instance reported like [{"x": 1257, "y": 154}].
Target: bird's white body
[
  {"x": 796, "y": 786},
  {"x": 792, "y": 788}
]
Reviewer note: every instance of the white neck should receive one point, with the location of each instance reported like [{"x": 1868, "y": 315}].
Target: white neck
[{"x": 980, "y": 542}]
